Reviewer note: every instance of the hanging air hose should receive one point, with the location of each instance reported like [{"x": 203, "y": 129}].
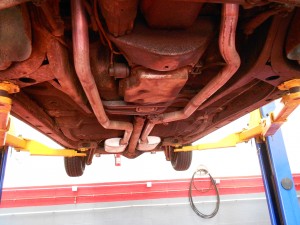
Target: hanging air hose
[{"x": 214, "y": 185}]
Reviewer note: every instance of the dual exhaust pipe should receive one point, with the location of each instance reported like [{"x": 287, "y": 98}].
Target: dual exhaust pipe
[{"x": 145, "y": 142}]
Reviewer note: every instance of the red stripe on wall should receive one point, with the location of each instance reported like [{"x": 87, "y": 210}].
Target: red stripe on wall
[{"x": 125, "y": 191}]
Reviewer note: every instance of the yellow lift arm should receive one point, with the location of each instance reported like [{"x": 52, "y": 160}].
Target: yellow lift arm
[
  {"x": 258, "y": 128},
  {"x": 37, "y": 148},
  {"x": 18, "y": 143}
]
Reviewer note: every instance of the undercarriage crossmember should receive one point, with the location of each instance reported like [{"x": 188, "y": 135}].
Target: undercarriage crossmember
[{"x": 134, "y": 76}]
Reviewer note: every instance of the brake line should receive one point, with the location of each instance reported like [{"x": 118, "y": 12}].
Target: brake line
[{"x": 214, "y": 185}]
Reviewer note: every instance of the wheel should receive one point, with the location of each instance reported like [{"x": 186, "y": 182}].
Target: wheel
[
  {"x": 74, "y": 166},
  {"x": 180, "y": 160}
]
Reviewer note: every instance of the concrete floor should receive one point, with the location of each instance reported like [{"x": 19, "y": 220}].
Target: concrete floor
[{"x": 234, "y": 209}]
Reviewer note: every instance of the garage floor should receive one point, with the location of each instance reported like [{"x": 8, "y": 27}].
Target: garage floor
[{"x": 234, "y": 209}]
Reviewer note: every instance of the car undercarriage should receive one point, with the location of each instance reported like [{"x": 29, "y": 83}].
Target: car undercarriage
[{"x": 135, "y": 76}]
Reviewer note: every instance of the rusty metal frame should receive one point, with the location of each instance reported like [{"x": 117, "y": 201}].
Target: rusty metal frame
[
  {"x": 230, "y": 55},
  {"x": 83, "y": 69},
  {"x": 259, "y": 128}
]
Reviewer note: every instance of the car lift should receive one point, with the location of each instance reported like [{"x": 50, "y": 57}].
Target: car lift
[
  {"x": 264, "y": 126},
  {"x": 8, "y": 139},
  {"x": 280, "y": 191}
]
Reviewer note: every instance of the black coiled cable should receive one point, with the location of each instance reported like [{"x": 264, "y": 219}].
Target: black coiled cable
[{"x": 213, "y": 184}]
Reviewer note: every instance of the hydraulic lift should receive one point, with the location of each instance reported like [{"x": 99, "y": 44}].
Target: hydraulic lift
[
  {"x": 9, "y": 139},
  {"x": 264, "y": 126}
]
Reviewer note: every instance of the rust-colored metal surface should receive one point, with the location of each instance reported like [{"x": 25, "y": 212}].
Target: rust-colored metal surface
[
  {"x": 119, "y": 15},
  {"x": 293, "y": 39},
  {"x": 82, "y": 67},
  {"x": 15, "y": 36},
  {"x": 4, "y": 4},
  {"x": 119, "y": 70},
  {"x": 124, "y": 108},
  {"x": 146, "y": 86},
  {"x": 35, "y": 69},
  {"x": 106, "y": 84},
  {"x": 64, "y": 72},
  {"x": 283, "y": 67},
  {"x": 232, "y": 59},
  {"x": 165, "y": 50},
  {"x": 137, "y": 130},
  {"x": 131, "y": 67},
  {"x": 170, "y": 14},
  {"x": 26, "y": 109},
  {"x": 51, "y": 14},
  {"x": 260, "y": 69},
  {"x": 254, "y": 23}
]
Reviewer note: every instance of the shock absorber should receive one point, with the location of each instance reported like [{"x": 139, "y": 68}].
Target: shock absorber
[{"x": 6, "y": 90}]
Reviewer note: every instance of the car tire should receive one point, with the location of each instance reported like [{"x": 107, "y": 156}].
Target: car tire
[
  {"x": 181, "y": 161},
  {"x": 74, "y": 166}
]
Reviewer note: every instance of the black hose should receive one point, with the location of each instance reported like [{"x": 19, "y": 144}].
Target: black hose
[{"x": 213, "y": 184}]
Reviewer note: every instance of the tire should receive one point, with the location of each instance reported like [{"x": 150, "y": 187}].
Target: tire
[
  {"x": 181, "y": 161},
  {"x": 74, "y": 166}
]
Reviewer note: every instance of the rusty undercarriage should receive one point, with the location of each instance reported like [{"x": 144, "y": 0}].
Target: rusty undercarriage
[{"x": 131, "y": 76}]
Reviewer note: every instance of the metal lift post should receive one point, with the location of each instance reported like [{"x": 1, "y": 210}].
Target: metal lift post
[
  {"x": 264, "y": 126},
  {"x": 279, "y": 186},
  {"x": 3, "y": 159},
  {"x": 278, "y": 181}
]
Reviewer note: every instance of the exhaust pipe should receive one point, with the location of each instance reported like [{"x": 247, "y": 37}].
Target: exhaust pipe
[
  {"x": 137, "y": 130},
  {"x": 83, "y": 70},
  {"x": 227, "y": 48}
]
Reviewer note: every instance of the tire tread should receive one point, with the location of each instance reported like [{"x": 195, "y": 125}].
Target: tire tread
[{"x": 74, "y": 166}]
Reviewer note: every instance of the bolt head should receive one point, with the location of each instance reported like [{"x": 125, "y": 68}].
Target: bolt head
[{"x": 287, "y": 183}]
